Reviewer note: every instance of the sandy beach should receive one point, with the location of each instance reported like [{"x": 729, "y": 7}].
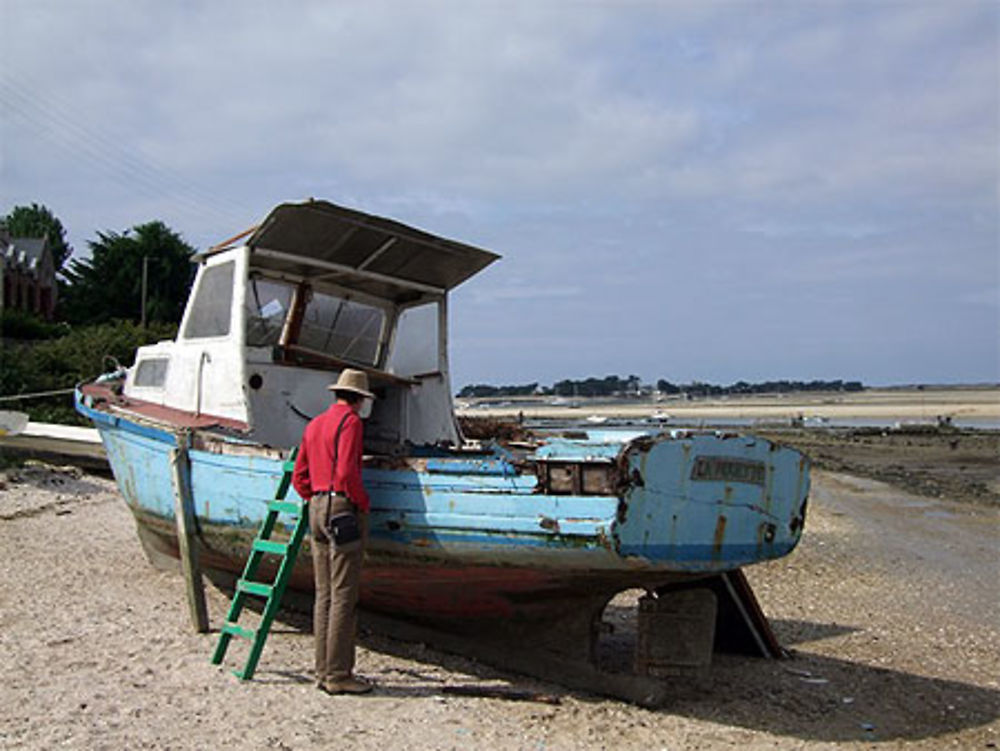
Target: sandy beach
[{"x": 890, "y": 606}]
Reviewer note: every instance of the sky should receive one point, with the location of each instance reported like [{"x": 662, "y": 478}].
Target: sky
[{"x": 713, "y": 191}]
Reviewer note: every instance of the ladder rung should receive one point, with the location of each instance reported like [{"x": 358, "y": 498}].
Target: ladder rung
[
  {"x": 237, "y": 630},
  {"x": 254, "y": 588},
  {"x": 269, "y": 546},
  {"x": 288, "y": 507}
]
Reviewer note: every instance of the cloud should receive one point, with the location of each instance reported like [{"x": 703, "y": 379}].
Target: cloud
[
  {"x": 675, "y": 165},
  {"x": 530, "y": 99},
  {"x": 522, "y": 292},
  {"x": 851, "y": 229},
  {"x": 987, "y": 296}
]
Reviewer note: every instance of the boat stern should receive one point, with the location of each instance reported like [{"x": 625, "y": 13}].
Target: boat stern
[{"x": 710, "y": 501}]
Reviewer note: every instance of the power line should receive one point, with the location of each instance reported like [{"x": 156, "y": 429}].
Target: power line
[
  {"x": 107, "y": 154},
  {"x": 35, "y": 105}
]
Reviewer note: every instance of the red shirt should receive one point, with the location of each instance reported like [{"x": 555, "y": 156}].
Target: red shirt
[{"x": 314, "y": 464}]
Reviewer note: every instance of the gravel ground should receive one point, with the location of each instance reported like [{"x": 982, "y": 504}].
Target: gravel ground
[{"x": 890, "y": 606}]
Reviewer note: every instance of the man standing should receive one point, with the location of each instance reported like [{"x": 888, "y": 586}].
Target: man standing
[{"x": 328, "y": 473}]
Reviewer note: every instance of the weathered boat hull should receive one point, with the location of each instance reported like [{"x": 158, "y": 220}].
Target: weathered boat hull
[{"x": 461, "y": 540}]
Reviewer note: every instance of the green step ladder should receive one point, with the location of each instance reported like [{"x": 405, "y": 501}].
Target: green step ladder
[{"x": 247, "y": 585}]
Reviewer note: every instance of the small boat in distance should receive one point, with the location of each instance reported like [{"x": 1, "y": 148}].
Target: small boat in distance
[{"x": 544, "y": 530}]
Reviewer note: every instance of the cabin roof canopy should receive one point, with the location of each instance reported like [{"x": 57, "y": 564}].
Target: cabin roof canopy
[{"x": 325, "y": 242}]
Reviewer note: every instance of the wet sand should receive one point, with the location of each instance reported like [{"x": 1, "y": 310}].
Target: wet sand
[
  {"x": 957, "y": 465},
  {"x": 890, "y": 606}
]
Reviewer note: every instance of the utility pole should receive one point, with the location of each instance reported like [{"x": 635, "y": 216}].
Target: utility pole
[{"x": 145, "y": 276}]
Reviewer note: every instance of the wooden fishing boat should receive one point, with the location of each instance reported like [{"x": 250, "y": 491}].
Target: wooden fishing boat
[{"x": 464, "y": 533}]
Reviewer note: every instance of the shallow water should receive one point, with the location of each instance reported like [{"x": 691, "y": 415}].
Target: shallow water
[{"x": 615, "y": 427}]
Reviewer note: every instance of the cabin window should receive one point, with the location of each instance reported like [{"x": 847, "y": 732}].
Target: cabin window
[
  {"x": 152, "y": 372},
  {"x": 577, "y": 478},
  {"x": 415, "y": 348},
  {"x": 211, "y": 310},
  {"x": 342, "y": 328},
  {"x": 267, "y": 303}
]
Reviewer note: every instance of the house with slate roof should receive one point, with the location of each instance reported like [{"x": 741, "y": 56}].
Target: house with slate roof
[{"x": 28, "y": 275}]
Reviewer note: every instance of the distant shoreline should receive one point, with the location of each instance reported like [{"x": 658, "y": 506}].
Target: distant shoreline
[{"x": 896, "y": 403}]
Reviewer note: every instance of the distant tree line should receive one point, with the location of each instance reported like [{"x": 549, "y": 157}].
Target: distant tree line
[
  {"x": 765, "y": 387},
  {"x": 631, "y": 386},
  {"x": 485, "y": 391},
  {"x": 607, "y": 386}
]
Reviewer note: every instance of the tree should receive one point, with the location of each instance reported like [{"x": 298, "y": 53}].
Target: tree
[
  {"x": 38, "y": 221},
  {"x": 666, "y": 387},
  {"x": 108, "y": 285},
  {"x": 80, "y": 355}
]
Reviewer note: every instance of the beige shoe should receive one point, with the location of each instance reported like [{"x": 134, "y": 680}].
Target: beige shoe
[{"x": 347, "y": 686}]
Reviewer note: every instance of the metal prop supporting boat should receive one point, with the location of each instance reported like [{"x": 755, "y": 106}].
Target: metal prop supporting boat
[{"x": 539, "y": 533}]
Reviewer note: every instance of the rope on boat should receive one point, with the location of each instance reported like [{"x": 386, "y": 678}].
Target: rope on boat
[
  {"x": 298, "y": 411},
  {"x": 118, "y": 372},
  {"x": 18, "y": 397}
]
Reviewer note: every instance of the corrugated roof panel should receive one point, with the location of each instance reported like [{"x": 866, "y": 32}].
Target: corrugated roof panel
[{"x": 379, "y": 255}]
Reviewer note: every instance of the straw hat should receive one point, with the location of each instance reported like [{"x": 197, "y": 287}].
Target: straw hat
[{"x": 352, "y": 380}]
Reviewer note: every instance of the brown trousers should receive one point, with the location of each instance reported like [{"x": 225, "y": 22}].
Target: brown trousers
[{"x": 338, "y": 580}]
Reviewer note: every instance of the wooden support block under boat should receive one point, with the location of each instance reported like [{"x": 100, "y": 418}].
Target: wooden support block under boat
[
  {"x": 740, "y": 625},
  {"x": 676, "y": 632}
]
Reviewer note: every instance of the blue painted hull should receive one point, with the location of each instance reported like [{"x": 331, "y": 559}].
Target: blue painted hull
[{"x": 453, "y": 537}]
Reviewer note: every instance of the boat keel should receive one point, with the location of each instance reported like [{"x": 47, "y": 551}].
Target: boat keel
[{"x": 684, "y": 625}]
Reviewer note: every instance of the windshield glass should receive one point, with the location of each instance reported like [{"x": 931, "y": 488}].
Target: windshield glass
[
  {"x": 266, "y": 304},
  {"x": 211, "y": 309},
  {"x": 342, "y": 328},
  {"x": 415, "y": 347}
]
